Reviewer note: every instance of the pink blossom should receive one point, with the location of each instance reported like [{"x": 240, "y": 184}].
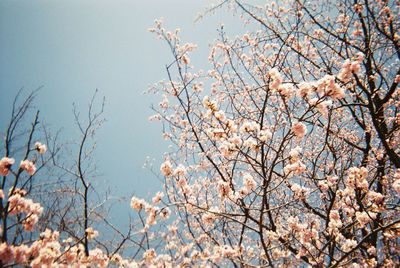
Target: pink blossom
[
  {"x": 35, "y": 208},
  {"x": 30, "y": 222},
  {"x": 157, "y": 197},
  {"x": 149, "y": 255},
  {"x": 5, "y": 164},
  {"x": 305, "y": 89},
  {"x": 363, "y": 218},
  {"x": 265, "y": 135},
  {"x": 360, "y": 57},
  {"x": 20, "y": 204},
  {"x": 91, "y": 233},
  {"x": 220, "y": 115},
  {"x": 42, "y": 148},
  {"x": 226, "y": 148},
  {"x": 377, "y": 198},
  {"x": 323, "y": 186},
  {"x": 358, "y": 177},
  {"x": 164, "y": 103},
  {"x": 217, "y": 133},
  {"x": 152, "y": 214},
  {"x": 28, "y": 166},
  {"x": 294, "y": 154},
  {"x": 98, "y": 258},
  {"x": 334, "y": 220},
  {"x": 296, "y": 167},
  {"x": 249, "y": 127},
  {"x": 299, "y": 130},
  {"x": 236, "y": 140},
  {"x": 223, "y": 189},
  {"x": 166, "y": 168},
  {"x": 299, "y": 191},
  {"x": 372, "y": 250},
  {"x": 295, "y": 225},
  {"x": 250, "y": 143},
  {"x": 327, "y": 86},
  {"x": 6, "y": 253},
  {"x": 286, "y": 90},
  {"x": 332, "y": 180},
  {"x": 21, "y": 254},
  {"x": 323, "y": 107},
  {"x": 349, "y": 67},
  {"x": 137, "y": 204},
  {"x": 209, "y": 104},
  {"x": 249, "y": 182},
  {"x": 345, "y": 72},
  {"x": 355, "y": 67},
  {"x": 208, "y": 218},
  {"x": 348, "y": 245},
  {"x": 180, "y": 170},
  {"x": 155, "y": 117},
  {"x": 185, "y": 59},
  {"x": 165, "y": 213},
  {"x": 276, "y": 79}
]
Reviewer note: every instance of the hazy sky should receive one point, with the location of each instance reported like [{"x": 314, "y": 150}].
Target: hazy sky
[{"x": 73, "y": 47}]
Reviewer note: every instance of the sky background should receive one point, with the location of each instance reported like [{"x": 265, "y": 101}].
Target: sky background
[{"x": 73, "y": 47}]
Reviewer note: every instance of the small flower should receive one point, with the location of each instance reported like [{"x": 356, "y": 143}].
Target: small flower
[
  {"x": 348, "y": 245},
  {"x": 28, "y": 166},
  {"x": 208, "y": 218},
  {"x": 180, "y": 170},
  {"x": 5, "y": 164},
  {"x": 185, "y": 59},
  {"x": 157, "y": 197},
  {"x": 209, "y": 104},
  {"x": 265, "y": 135},
  {"x": 299, "y": 130},
  {"x": 323, "y": 186},
  {"x": 30, "y": 222},
  {"x": 166, "y": 168},
  {"x": 276, "y": 78},
  {"x": 21, "y": 253},
  {"x": 42, "y": 148},
  {"x": 249, "y": 183},
  {"x": 165, "y": 213},
  {"x": 6, "y": 253},
  {"x": 364, "y": 218},
  {"x": 91, "y": 233},
  {"x": 297, "y": 168},
  {"x": 294, "y": 154},
  {"x": 149, "y": 255},
  {"x": 137, "y": 204},
  {"x": 396, "y": 185},
  {"x": 220, "y": 115}
]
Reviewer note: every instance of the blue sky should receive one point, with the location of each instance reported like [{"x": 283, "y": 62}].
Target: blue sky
[{"x": 73, "y": 47}]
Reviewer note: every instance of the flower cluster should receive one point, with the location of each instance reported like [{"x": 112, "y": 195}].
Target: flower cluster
[
  {"x": 350, "y": 67},
  {"x": 18, "y": 204},
  {"x": 41, "y": 148},
  {"x": 29, "y": 166},
  {"x": 5, "y": 164},
  {"x": 48, "y": 251}
]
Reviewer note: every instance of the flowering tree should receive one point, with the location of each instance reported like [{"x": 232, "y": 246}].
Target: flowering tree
[
  {"x": 286, "y": 152},
  {"x": 47, "y": 203},
  {"x": 287, "y": 149}
]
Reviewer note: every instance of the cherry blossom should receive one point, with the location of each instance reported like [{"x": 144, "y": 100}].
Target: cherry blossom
[
  {"x": 29, "y": 166},
  {"x": 5, "y": 164}
]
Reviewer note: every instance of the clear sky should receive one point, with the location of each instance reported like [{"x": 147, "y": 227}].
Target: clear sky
[{"x": 73, "y": 47}]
